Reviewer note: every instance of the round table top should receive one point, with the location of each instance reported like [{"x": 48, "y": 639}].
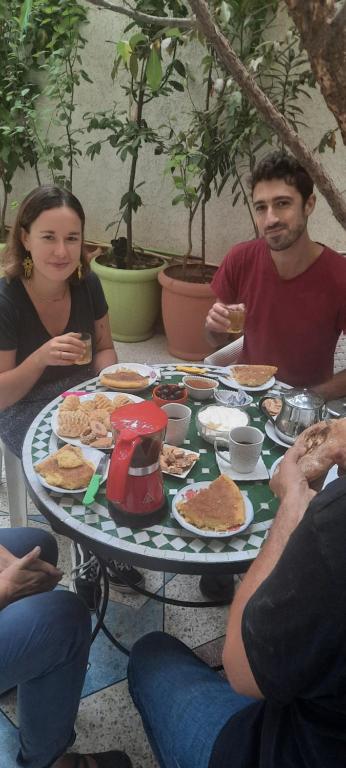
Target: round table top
[{"x": 164, "y": 546}]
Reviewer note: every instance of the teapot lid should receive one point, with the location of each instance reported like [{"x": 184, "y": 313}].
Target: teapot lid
[{"x": 304, "y": 398}]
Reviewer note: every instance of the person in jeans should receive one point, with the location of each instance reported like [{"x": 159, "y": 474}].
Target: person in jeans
[
  {"x": 283, "y": 703},
  {"x": 44, "y": 648}
]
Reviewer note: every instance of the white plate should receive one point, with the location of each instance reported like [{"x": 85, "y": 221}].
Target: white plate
[
  {"x": 144, "y": 370},
  {"x": 229, "y": 382},
  {"x": 185, "y": 474},
  {"x": 181, "y": 496},
  {"x": 332, "y": 474},
  {"x": 83, "y": 398},
  {"x": 91, "y": 454},
  {"x": 271, "y": 432}
]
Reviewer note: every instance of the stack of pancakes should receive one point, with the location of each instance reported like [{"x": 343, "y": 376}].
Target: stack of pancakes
[{"x": 67, "y": 468}]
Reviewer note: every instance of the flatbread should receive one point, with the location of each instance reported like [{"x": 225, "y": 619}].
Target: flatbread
[
  {"x": 216, "y": 508},
  {"x": 252, "y": 375},
  {"x": 66, "y": 469},
  {"x": 324, "y": 445},
  {"x": 124, "y": 378}
]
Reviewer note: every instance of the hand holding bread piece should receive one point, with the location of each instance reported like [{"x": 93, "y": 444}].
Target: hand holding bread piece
[{"x": 325, "y": 445}]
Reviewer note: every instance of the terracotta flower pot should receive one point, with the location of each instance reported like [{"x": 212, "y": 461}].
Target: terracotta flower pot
[{"x": 185, "y": 306}]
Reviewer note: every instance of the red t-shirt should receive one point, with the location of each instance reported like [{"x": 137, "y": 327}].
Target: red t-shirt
[{"x": 295, "y": 323}]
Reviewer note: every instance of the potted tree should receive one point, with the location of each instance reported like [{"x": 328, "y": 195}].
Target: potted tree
[{"x": 128, "y": 274}]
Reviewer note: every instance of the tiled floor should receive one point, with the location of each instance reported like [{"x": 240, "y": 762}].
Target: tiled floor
[{"x": 107, "y": 718}]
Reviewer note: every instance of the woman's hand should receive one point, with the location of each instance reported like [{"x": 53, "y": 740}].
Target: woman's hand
[
  {"x": 27, "y": 575},
  {"x": 61, "y": 350}
]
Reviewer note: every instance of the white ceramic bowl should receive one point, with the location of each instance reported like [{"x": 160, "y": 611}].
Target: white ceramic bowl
[
  {"x": 200, "y": 387},
  {"x": 230, "y": 399},
  {"x": 214, "y": 421}
]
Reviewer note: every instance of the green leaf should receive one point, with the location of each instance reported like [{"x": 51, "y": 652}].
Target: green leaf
[
  {"x": 154, "y": 70},
  {"x": 179, "y": 67},
  {"x": 225, "y": 13},
  {"x": 124, "y": 50},
  {"x": 176, "y": 85},
  {"x": 138, "y": 38}
]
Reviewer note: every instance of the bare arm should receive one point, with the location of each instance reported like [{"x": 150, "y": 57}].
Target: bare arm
[
  {"x": 105, "y": 352},
  {"x": 17, "y": 381},
  {"x": 333, "y": 388},
  {"x": 291, "y": 487}
]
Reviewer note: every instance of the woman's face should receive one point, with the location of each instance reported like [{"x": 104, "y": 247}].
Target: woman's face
[{"x": 55, "y": 241}]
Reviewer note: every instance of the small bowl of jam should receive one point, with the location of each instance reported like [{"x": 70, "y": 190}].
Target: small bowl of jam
[
  {"x": 199, "y": 387},
  {"x": 169, "y": 393}
]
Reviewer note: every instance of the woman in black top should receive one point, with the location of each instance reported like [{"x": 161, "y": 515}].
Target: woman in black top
[{"x": 47, "y": 297}]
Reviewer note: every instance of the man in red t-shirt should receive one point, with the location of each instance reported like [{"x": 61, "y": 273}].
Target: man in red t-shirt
[{"x": 294, "y": 289}]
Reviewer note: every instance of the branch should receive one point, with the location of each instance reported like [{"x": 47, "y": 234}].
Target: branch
[
  {"x": 145, "y": 18},
  {"x": 271, "y": 115}
]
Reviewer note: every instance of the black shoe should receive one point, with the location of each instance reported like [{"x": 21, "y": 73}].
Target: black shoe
[
  {"x": 123, "y": 577},
  {"x": 113, "y": 759},
  {"x": 85, "y": 576},
  {"x": 217, "y": 587}
]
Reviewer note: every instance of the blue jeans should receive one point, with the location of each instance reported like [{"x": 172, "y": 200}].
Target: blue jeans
[
  {"x": 44, "y": 648},
  {"x": 184, "y": 704}
]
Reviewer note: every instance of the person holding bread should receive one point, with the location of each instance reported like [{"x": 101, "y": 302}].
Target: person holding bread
[
  {"x": 283, "y": 702},
  {"x": 48, "y": 298}
]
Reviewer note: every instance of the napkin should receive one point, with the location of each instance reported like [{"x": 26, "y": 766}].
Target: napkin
[{"x": 259, "y": 473}]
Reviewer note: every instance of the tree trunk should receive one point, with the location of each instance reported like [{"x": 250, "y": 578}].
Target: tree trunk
[
  {"x": 272, "y": 116},
  {"x": 323, "y": 33}
]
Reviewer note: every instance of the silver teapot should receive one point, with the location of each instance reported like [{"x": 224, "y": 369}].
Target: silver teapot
[{"x": 300, "y": 409}]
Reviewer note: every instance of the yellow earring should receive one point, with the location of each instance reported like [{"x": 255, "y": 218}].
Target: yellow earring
[
  {"x": 27, "y": 266},
  {"x": 80, "y": 271}
]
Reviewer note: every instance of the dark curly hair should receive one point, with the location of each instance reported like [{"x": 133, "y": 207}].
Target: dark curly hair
[
  {"x": 281, "y": 165},
  {"x": 40, "y": 199}
]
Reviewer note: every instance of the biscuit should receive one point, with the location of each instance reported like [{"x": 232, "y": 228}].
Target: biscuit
[
  {"x": 120, "y": 400},
  {"x": 72, "y": 423},
  {"x": 70, "y": 403},
  {"x": 103, "y": 402}
]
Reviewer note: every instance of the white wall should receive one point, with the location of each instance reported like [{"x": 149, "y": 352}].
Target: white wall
[{"x": 101, "y": 183}]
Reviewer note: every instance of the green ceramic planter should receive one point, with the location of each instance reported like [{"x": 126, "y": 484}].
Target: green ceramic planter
[{"x": 134, "y": 299}]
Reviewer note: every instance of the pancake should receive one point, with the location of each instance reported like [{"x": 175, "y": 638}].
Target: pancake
[
  {"x": 219, "y": 507},
  {"x": 124, "y": 378},
  {"x": 324, "y": 445},
  {"x": 252, "y": 375},
  {"x": 66, "y": 469}
]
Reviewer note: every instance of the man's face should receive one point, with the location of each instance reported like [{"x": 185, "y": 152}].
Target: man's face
[{"x": 281, "y": 215}]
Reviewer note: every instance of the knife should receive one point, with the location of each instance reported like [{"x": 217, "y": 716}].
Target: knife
[{"x": 95, "y": 481}]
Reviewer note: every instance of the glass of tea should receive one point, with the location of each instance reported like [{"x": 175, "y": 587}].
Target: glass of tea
[
  {"x": 236, "y": 319},
  {"x": 87, "y": 354}
]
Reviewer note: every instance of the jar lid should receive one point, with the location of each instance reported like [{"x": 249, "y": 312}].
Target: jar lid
[
  {"x": 303, "y": 398},
  {"x": 337, "y": 407}
]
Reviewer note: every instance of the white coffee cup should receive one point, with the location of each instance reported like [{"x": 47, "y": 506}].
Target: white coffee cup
[
  {"x": 245, "y": 446},
  {"x": 179, "y": 417}
]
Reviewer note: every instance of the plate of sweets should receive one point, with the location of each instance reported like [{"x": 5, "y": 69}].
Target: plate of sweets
[
  {"x": 251, "y": 378},
  {"x": 176, "y": 461},
  {"x": 214, "y": 509},
  {"x": 133, "y": 377},
  {"x": 86, "y": 419}
]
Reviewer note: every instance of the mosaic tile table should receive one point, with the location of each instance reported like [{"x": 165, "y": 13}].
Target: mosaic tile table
[{"x": 165, "y": 546}]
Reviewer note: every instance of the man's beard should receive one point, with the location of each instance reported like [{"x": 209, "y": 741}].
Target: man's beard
[{"x": 285, "y": 238}]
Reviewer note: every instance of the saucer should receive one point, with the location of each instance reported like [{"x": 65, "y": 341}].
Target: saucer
[{"x": 259, "y": 473}]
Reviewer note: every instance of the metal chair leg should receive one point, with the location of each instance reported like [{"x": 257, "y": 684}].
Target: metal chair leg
[{"x": 16, "y": 491}]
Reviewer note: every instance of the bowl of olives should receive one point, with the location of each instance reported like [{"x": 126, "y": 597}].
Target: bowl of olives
[{"x": 169, "y": 393}]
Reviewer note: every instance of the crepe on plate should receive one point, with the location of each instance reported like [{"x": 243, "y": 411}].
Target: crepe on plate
[
  {"x": 66, "y": 468},
  {"x": 219, "y": 507},
  {"x": 252, "y": 375},
  {"x": 324, "y": 445},
  {"x": 124, "y": 377}
]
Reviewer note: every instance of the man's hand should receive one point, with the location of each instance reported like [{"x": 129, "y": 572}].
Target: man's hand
[
  {"x": 27, "y": 575},
  {"x": 288, "y": 479},
  {"x": 6, "y": 558},
  {"x": 218, "y": 317}
]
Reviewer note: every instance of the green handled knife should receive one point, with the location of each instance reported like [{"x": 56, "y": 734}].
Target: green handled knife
[{"x": 95, "y": 481}]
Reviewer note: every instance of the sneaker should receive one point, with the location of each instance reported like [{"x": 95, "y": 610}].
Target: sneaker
[
  {"x": 132, "y": 577},
  {"x": 218, "y": 588},
  {"x": 85, "y": 576}
]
